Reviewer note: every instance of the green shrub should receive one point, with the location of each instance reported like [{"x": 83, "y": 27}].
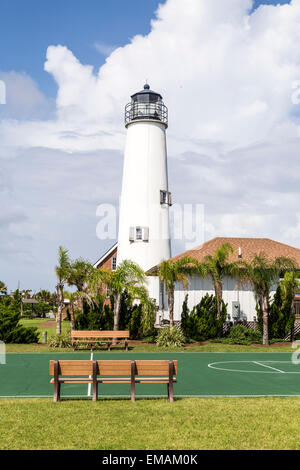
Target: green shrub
[
  {"x": 98, "y": 317},
  {"x": 134, "y": 325},
  {"x": 281, "y": 314},
  {"x": 170, "y": 338},
  {"x": 138, "y": 319},
  {"x": 240, "y": 334},
  {"x": 10, "y": 329},
  {"x": 60, "y": 341},
  {"x": 201, "y": 323}
]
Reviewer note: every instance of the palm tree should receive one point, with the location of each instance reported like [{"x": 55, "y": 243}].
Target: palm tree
[
  {"x": 3, "y": 288},
  {"x": 44, "y": 296},
  {"x": 62, "y": 273},
  {"x": 78, "y": 276},
  {"x": 73, "y": 298},
  {"x": 128, "y": 276},
  {"x": 217, "y": 267},
  {"x": 263, "y": 273},
  {"x": 80, "y": 270},
  {"x": 289, "y": 285},
  {"x": 171, "y": 272}
]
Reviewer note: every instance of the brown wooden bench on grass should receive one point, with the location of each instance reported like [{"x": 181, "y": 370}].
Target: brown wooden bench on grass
[
  {"x": 98, "y": 337},
  {"x": 131, "y": 372}
]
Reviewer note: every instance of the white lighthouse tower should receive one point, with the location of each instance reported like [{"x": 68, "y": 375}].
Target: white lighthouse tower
[{"x": 144, "y": 234}]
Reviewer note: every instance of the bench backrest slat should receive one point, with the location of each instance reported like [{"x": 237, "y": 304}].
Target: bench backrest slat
[
  {"x": 114, "y": 367},
  {"x": 143, "y": 367},
  {"x": 154, "y": 367},
  {"x": 72, "y": 367},
  {"x": 99, "y": 334}
]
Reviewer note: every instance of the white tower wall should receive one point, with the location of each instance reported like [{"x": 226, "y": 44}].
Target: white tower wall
[{"x": 145, "y": 175}]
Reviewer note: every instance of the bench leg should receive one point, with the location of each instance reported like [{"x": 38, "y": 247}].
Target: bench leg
[
  {"x": 132, "y": 391},
  {"x": 95, "y": 392},
  {"x": 132, "y": 384},
  {"x": 170, "y": 389},
  {"x": 171, "y": 392},
  {"x": 126, "y": 345},
  {"x": 108, "y": 346},
  {"x": 95, "y": 383},
  {"x": 56, "y": 395}
]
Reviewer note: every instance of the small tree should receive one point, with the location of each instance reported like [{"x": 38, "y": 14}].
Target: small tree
[
  {"x": 263, "y": 274},
  {"x": 289, "y": 286},
  {"x": 62, "y": 273},
  {"x": 128, "y": 277},
  {"x": 217, "y": 267},
  {"x": 171, "y": 272}
]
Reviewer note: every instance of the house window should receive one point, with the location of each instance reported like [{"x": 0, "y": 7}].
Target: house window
[
  {"x": 114, "y": 263},
  {"x": 165, "y": 197}
]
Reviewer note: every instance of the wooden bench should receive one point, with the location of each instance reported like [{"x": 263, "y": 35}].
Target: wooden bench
[
  {"x": 92, "y": 337},
  {"x": 101, "y": 372}
]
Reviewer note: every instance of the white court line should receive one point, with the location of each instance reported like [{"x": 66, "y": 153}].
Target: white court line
[
  {"x": 90, "y": 385},
  {"x": 215, "y": 365},
  {"x": 269, "y": 367}
]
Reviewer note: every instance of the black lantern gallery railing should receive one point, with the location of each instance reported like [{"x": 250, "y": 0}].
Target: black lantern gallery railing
[{"x": 153, "y": 111}]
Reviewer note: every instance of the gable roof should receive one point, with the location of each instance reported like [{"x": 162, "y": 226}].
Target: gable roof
[
  {"x": 106, "y": 255},
  {"x": 248, "y": 247}
]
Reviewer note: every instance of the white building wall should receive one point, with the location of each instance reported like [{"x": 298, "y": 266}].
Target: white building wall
[{"x": 233, "y": 291}]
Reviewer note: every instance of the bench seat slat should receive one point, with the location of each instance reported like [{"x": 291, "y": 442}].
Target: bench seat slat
[{"x": 74, "y": 381}]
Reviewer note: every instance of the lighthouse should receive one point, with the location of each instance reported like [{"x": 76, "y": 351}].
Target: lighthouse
[{"x": 144, "y": 233}]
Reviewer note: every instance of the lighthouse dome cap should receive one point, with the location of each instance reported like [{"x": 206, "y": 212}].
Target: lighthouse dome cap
[{"x": 146, "y": 90}]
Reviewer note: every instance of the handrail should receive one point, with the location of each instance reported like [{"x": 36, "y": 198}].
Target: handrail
[{"x": 152, "y": 111}]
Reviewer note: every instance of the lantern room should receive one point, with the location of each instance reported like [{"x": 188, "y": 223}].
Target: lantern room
[{"x": 146, "y": 105}]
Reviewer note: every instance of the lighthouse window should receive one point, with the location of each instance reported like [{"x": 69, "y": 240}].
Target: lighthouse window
[
  {"x": 139, "y": 233},
  {"x": 165, "y": 198}
]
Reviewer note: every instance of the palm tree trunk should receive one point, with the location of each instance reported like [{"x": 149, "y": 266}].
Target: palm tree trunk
[
  {"x": 60, "y": 306},
  {"x": 117, "y": 303},
  {"x": 72, "y": 317},
  {"x": 265, "y": 314},
  {"x": 171, "y": 307},
  {"x": 219, "y": 292}
]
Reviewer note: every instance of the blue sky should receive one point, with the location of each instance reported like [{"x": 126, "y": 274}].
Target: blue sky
[
  {"x": 62, "y": 133},
  {"x": 30, "y": 26}
]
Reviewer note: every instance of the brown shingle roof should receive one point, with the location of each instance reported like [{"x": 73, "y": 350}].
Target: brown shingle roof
[{"x": 249, "y": 248}]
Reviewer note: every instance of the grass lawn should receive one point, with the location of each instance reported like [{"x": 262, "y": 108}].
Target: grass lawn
[
  {"x": 187, "y": 424},
  {"x": 38, "y": 322},
  {"x": 139, "y": 346}
]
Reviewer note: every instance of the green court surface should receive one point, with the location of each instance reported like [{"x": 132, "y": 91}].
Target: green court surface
[{"x": 199, "y": 375}]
